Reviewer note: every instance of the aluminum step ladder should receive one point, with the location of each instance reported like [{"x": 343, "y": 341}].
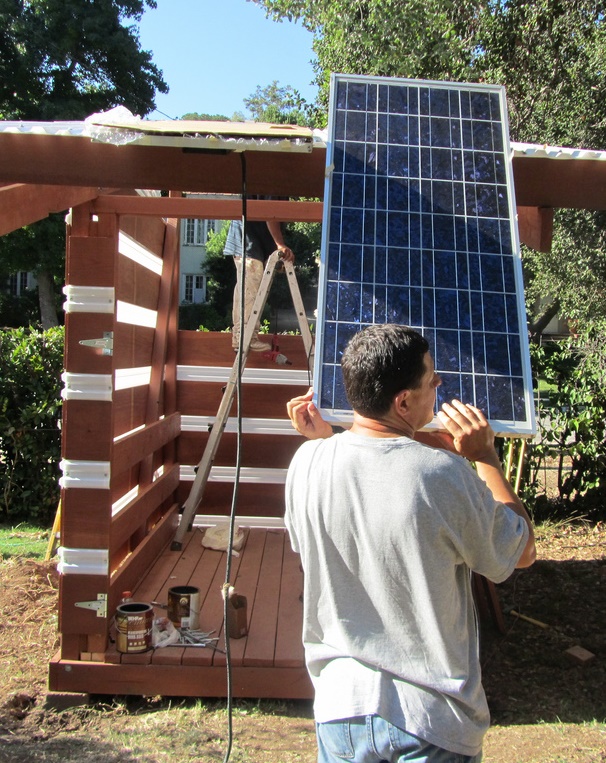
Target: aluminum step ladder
[{"x": 273, "y": 265}]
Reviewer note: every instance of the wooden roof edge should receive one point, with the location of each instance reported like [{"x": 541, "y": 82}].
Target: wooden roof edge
[{"x": 23, "y": 204}]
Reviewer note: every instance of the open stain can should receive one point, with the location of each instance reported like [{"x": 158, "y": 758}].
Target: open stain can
[
  {"x": 184, "y": 606},
  {"x": 134, "y": 621}
]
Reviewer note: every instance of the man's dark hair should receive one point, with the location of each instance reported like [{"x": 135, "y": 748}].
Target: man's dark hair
[{"x": 380, "y": 361}]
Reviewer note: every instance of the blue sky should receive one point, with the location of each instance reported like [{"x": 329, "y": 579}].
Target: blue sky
[{"x": 214, "y": 53}]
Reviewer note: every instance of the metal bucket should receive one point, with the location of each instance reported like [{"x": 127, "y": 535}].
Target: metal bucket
[
  {"x": 134, "y": 623},
  {"x": 184, "y": 606}
]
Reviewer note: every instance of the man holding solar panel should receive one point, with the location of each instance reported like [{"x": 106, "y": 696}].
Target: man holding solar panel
[{"x": 389, "y": 530}]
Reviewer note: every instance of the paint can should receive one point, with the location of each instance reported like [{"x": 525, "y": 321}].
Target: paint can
[
  {"x": 134, "y": 621},
  {"x": 184, "y": 606}
]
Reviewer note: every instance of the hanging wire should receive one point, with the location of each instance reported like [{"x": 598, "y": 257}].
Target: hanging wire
[{"x": 234, "y": 503}]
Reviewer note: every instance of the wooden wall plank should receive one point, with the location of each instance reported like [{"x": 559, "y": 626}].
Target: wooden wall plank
[
  {"x": 129, "y": 408},
  {"x": 207, "y": 348},
  {"x": 151, "y": 496},
  {"x": 254, "y": 500},
  {"x": 137, "y": 564},
  {"x": 148, "y": 231},
  {"x": 137, "y": 284},
  {"x": 132, "y": 345},
  {"x": 262, "y": 451},
  {"x": 133, "y": 447},
  {"x": 258, "y": 400}
]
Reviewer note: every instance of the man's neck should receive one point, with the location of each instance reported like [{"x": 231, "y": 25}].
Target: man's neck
[{"x": 381, "y": 428}]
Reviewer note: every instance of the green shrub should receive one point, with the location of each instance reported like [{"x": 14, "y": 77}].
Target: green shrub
[
  {"x": 193, "y": 317},
  {"x": 30, "y": 409},
  {"x": 572, "y": 428}
]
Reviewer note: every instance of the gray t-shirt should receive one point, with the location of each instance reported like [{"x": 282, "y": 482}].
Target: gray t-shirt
[{"x": 388, "y": 531}]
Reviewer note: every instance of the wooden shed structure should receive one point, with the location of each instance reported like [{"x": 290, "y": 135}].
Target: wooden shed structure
[{"x": 140, "y": 395}]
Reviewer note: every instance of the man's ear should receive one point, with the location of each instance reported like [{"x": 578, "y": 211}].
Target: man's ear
[{"x": 400, "y": 403}]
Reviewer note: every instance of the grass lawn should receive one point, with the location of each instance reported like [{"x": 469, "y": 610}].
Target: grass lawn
[{"x": 23, "y": 539}]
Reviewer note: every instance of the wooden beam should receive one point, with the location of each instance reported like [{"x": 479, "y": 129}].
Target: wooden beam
[
  {"x": 557, "y": 183},
  {"x": 22, "y": 204},
  {"x": 535, "y": 225},
  {"x": 210, "y": 209},
  {"x": 60, "y": 160}
]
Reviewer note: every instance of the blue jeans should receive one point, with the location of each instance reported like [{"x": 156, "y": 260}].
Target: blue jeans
[{"x": 371, "y": 739}]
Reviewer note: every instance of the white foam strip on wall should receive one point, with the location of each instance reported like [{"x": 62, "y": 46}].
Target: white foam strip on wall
[
  {"x": 249, "y": 426},
  {"x": 85, "y": 474},
  {"x": 89, "y": 299},
  {"x": 273, "y": 375},
  {"x": 96, "y": 387},
  {"x": 135, "y": 315},
  {"x": 126, "y": 378},
  {"x": 118, "y": 505},
  {"x": 139, "y": 254},
  {"x": 83, "y": 561},
  {"x": 228, "y": 474}
]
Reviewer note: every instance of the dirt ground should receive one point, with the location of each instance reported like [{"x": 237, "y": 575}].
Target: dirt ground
[{"x": 548, "y": 703}]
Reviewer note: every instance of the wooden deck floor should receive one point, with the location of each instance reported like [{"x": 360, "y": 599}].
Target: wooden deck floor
[{"x": 267, "y": 662}]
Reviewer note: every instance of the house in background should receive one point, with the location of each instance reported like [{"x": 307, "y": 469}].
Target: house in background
[
  {"x": 192, "y": 252},
  {"x": 20, "y": 282},
  {"x": 193, "y": 236}
]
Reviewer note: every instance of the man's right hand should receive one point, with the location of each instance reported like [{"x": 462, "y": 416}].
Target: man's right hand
[{"x": 306, "y": 418}]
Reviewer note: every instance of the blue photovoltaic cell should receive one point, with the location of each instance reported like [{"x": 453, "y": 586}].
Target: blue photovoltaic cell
[{"x": 419, "y": 228}]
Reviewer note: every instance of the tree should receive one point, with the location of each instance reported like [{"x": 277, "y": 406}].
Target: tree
[
  {"x": 278, "y": 105},
  {"x": 549, "y": 54},
  {"x": 431, "y": 39},
  {"x": 205, "y": 117},
  {"x": 64, "y": 60}
]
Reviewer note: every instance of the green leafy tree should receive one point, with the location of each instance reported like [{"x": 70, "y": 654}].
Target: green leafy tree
[
  {"x": 430, "y": 39},
  {"x": 279, "y": 105},
  {"x": 30, "y": 412},
  {"x": 205, "y": 117},
  {"x": 64, "y": 60},
  {"x": 549, "y": 54}
]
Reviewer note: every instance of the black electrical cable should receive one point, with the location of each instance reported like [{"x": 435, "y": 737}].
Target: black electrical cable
[{"x": 234, "y": 502}]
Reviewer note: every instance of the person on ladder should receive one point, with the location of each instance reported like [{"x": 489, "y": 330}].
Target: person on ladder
[{"x": 262, "y": 238}]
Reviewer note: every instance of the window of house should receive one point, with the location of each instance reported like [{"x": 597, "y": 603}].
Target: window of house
[
  {"x": 194, "y": 288},
  {"x": 17, "y": 283},
  {"x": 196, "y": 232}
]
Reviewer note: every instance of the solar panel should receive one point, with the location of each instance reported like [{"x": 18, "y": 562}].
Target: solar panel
[{"x": 420, "y": 228}]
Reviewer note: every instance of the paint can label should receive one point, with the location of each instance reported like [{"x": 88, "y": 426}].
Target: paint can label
[
  {"x": 184, "y": 606},
  {"x": 134, "y": 622}
]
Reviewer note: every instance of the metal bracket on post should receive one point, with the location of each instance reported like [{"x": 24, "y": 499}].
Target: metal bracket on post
[
  {"x": 106, "y": 343},
  {"x": 100, "y": 605},
  {"x": 204, "y": 466}
]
